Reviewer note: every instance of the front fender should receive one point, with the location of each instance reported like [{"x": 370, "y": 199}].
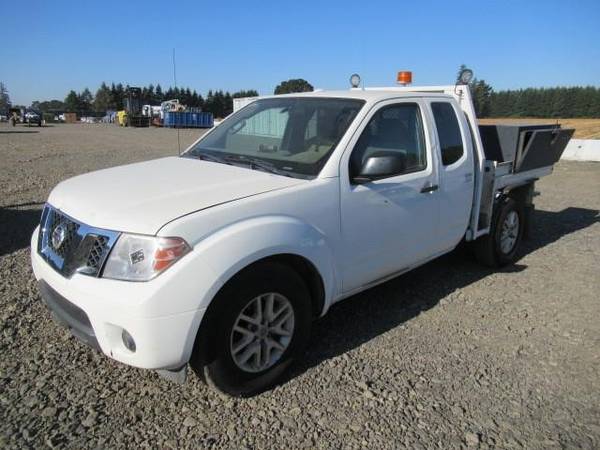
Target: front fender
[{"x": 231, "y": 249}]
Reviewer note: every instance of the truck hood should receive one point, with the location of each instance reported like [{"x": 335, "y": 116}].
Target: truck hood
[{"x": 142, "y": 197}]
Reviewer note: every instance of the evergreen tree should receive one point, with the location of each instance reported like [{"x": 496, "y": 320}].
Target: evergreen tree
[
  {"x": 4, "y": 99},
  {"x": 103, "y": 100},
  {"x": 209, "y": 102},
  {"x": 118, "y": 96},
  {"x": 72, "y": 102},
  {"x": 227, "y": 104},
  {"x": 219, "y": 104},
  {"x": 85, "y": 100},
  {"x": 248, "y": 93},
  {"x": 158, "y": 94},
  {"x": 481, "y": 92},
  {"x": 150, "y": 95}
]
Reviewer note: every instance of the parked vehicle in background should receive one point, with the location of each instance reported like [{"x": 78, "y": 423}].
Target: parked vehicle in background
[
  {"x": 222, "y": 258},
  {"x": 33, "y": 118}
]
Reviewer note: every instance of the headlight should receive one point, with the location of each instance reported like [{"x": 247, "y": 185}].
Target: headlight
[{"x": 141, "y": 258}]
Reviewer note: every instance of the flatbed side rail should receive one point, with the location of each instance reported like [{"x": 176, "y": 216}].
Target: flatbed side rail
[{"x": 498, "y": 177}]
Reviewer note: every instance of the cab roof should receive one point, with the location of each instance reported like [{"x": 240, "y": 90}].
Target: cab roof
[{"x": 371, "y": 94}]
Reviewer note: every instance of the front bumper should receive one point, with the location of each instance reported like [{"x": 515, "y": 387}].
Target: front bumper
[
  {"x": 68, "y": 315},
  {"x": 162, "y": 315}
]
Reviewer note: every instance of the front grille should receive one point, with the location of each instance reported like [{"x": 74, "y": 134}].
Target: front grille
[
  {"x": 56, "y": 220},
  {"x": 98, "y": 252},
  {"x": 70, "y": 246}
]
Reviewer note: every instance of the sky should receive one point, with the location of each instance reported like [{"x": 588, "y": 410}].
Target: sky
[{"x": 49, "y": 48}]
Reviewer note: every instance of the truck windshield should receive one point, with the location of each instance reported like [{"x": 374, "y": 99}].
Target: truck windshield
[{"x": 291, "y": 136}]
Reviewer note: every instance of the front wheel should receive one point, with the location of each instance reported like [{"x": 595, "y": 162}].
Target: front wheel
[
  {"x": 260, "y": 322},
  {"x": 500, "y": 246}
]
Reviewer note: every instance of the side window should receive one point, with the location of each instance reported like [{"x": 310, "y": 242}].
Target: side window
[
  {"x": 397, "y": 129},
  {"x": 451, "y": 143}
]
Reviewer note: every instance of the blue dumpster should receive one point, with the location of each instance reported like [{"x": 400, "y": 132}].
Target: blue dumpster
[{"x": 188, "y": 119}]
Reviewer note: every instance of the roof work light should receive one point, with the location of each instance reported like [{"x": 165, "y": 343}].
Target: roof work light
[
  {"x": 355, "y": 80},
  {"x": 465, "y": 77},
  {"x": 404, "y": 77}
]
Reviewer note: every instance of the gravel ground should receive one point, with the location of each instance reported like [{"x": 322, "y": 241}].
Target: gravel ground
[{"x": 451, "y": 355}]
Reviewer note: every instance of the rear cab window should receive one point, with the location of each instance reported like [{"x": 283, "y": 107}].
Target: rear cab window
[{"x": 448, "y": 130}]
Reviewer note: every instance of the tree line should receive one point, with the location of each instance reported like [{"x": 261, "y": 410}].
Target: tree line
[
  {"x": 111, "y": 98},
  {"x": 546, "y": 102},
  {"x": 565, "y": 102}
]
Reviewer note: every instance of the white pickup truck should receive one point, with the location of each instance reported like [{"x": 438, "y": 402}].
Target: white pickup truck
[{"x": 222, "y": 257}]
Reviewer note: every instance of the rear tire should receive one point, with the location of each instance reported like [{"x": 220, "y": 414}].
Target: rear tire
[
  {"x": 272, "y": 344},
  {"x": 501, "y": 245}
]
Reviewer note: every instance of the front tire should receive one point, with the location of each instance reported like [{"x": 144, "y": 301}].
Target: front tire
[
  {"x": 260, "y": 322},
  {"x": 501, "y": 245}
]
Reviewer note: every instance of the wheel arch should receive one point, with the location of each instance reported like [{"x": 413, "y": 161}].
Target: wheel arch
[
  {"x": 238, "y": 247},
  {"x": 300, "y": 264}
]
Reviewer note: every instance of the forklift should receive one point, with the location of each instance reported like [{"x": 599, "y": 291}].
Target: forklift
[{"x": 131, "y": 115}]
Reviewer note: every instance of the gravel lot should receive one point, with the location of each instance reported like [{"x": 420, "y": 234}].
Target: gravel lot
[{"x": 451, "y": 355}]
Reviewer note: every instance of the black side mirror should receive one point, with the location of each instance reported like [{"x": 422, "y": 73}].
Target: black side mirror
[{"x": 380, "y": 165}]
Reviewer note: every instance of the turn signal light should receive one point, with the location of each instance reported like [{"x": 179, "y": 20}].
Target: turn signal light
[{"x": 170, "y": 250}]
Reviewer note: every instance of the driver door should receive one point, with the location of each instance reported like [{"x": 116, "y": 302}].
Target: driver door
[{"x": 389, "y": 225}]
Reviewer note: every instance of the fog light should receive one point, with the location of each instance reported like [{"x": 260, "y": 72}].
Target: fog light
[{"x": 128, "y": 341}]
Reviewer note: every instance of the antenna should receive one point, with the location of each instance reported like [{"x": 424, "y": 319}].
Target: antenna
[
  {"x": 362, "y": 61},
  {"x": 175, "y": 81}
]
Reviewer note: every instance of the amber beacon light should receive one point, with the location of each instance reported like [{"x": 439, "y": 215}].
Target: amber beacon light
[{"x": 404, "y": 78}]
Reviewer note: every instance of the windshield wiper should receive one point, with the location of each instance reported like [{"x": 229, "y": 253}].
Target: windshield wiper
[
  {"x": 256, "y": 164},
  {"x": 208, "y": 157}
]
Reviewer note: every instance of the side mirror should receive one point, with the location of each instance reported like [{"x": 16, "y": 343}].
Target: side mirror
[{"x": 380, "y": 165}]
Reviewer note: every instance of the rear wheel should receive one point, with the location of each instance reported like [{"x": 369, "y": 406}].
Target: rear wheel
[
  {"x": 260, "y": 322},
  {"x": 500, "y": 246}
]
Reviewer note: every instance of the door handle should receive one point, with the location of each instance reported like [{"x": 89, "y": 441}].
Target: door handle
[{"x": 429, "y": 188}]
